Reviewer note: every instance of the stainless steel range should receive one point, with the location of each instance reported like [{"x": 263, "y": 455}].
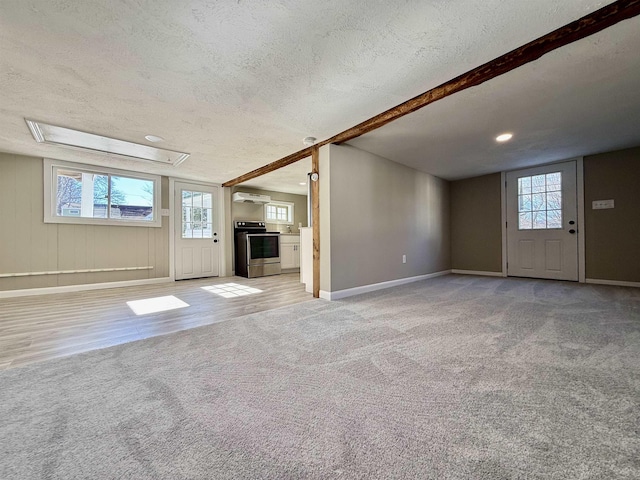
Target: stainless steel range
[{"x": 257, "y": 251}]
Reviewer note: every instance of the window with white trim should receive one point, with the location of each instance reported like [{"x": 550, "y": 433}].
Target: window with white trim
[
  {"x": 540, "y": 202},
  {"x": 279, "y": 212},
  {"x": 76, "y": 193}
]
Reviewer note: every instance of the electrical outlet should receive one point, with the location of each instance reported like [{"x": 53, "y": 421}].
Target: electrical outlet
[{"x": 404, "y": 259}]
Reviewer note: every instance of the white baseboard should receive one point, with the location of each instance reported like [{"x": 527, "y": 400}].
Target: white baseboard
[
  {"x": 477, "y": 272},
  {"x": 350, "y": 292},
  {"x": 612, "y": 282},
  {"x": 79, "y": 288}
]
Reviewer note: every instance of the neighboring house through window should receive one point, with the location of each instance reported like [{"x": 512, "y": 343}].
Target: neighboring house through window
[{"x": 76, "y": 193}]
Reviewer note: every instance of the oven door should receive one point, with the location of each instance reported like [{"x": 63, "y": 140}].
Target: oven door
[
  {"x": 263, "y": 254},
  {"x": 263, "y": 248}
]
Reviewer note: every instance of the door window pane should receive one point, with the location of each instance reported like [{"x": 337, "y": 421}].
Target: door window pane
[
  {"x": 539, "y": 220},
  {"x": 538, "y": 183},
  {"x": 554, "y": 219},
  {"x": 524, "y": 185},
  {"x": 540, "y": 201},
  {"x": 554, "y": 200},
  {"x": 524, "y": 221},
  {"x": 197, "y": 214}
]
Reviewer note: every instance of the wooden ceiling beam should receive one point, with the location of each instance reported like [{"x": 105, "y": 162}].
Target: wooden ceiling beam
[
  {"x": 283, "y": 162},
  {"x": 586, "y": 26}
]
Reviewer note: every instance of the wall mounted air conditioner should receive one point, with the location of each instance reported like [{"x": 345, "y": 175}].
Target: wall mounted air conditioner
[{"x": 251, "y": 198}]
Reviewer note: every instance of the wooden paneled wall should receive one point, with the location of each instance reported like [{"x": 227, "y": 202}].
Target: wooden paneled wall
[{"x": 27, "y": 244}]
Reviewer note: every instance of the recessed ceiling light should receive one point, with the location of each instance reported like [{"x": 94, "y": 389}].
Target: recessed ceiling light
[
  {"x": 303, "y": 183},
  {"x": 53, "y": 134},
  {"x": 505, "y": 137},
  {"x": 154, "y": 138}
]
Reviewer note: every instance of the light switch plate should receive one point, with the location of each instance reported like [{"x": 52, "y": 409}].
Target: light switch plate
[
  {"x": 164, "y": 212},
  {"x": 602, "y": 204}
]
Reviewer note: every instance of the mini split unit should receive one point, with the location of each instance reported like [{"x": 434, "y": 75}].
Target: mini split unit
[{"x": 250, "y": 198}]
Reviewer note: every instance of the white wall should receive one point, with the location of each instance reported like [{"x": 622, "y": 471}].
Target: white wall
[{"x": 373, "y": 211}]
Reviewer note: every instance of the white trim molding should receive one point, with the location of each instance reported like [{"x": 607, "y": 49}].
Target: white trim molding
[
  {"x": 616, "y": 283},
  {"x": 580, "y": 211},
  {"x": 64, "y": 272},
  {"x": 51, "y": 169},
  {"x": 172, "y": 239},
  {"x": 581, "y": 225},
  {"x": 173, "y": 225},
  {"x": 476, "y": 272},
  {"x": 503, "y": 219},
  {"x": 80, "y": 288},
  {"x": 350, "y": 292}
]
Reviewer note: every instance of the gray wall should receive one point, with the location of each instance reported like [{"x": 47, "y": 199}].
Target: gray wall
[
  {"x": 378, "y": 211},
  {"x": 612, "y": 236},
  {"x": 27, "y": 244},
  {"x": 476, "y": 229},
  {"x": 251, "y": 211}
]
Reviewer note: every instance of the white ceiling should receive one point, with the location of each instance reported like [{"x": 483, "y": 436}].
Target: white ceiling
[
  {"x": 239, "y": 84},
  {"x": 578, "y": 100}
]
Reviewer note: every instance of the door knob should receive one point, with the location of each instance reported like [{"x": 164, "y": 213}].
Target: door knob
[
  {"x": 215, "y": 241},
  {"x": 571, "y": 222},
  {"x": 572, "y": 231}
]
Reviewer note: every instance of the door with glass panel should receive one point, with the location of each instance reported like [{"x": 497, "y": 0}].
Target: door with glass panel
[
  {"x": 197, "y": 241},
  {"x": 542, "y": 223}
]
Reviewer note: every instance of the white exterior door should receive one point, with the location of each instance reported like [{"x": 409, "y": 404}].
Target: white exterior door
[
  {"x": 197, "y": 240},
  {"x": 542, "y": 222}
]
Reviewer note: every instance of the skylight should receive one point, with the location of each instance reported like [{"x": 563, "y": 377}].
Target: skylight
[{"x": 44, "y": 133}]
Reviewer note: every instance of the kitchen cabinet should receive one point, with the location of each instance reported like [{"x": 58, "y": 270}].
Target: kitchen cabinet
[
  {"x": 290, "y": 251},
  {"x": 306, "y": 258}
]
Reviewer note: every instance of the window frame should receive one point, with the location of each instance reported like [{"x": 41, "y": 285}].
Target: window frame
[
  {"x": 51, "y": 168},
  {"x": 290, "y": 212},
  {"x": 546, "y": 210}
]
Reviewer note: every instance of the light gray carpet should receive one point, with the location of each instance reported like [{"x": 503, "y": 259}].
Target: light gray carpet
[{"x": 454, "y": 377}]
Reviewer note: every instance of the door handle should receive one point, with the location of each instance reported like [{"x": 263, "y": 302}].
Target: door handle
[
  {"x": 572, "y": 231},
  {"x": 215, "y": 241}
]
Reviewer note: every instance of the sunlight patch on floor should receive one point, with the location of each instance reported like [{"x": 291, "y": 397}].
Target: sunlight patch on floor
[
  {"x": 230, "y": 290},
  {"x": 154, "y": 305}
]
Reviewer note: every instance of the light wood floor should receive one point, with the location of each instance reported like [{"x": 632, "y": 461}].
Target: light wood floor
[{"x": 38, "y": 328}]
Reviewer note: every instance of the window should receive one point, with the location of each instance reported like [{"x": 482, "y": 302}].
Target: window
[
  {"x": 197, "y": 214},
  {"x": 279, "y": 212},
  {"x": 85, "y": 194},
  {"x": 540, "y": 201}
]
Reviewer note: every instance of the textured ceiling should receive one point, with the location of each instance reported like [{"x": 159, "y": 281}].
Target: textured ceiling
[
  {"x": 239, "y": 84},
  {"x": 578, "y": 100}
]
